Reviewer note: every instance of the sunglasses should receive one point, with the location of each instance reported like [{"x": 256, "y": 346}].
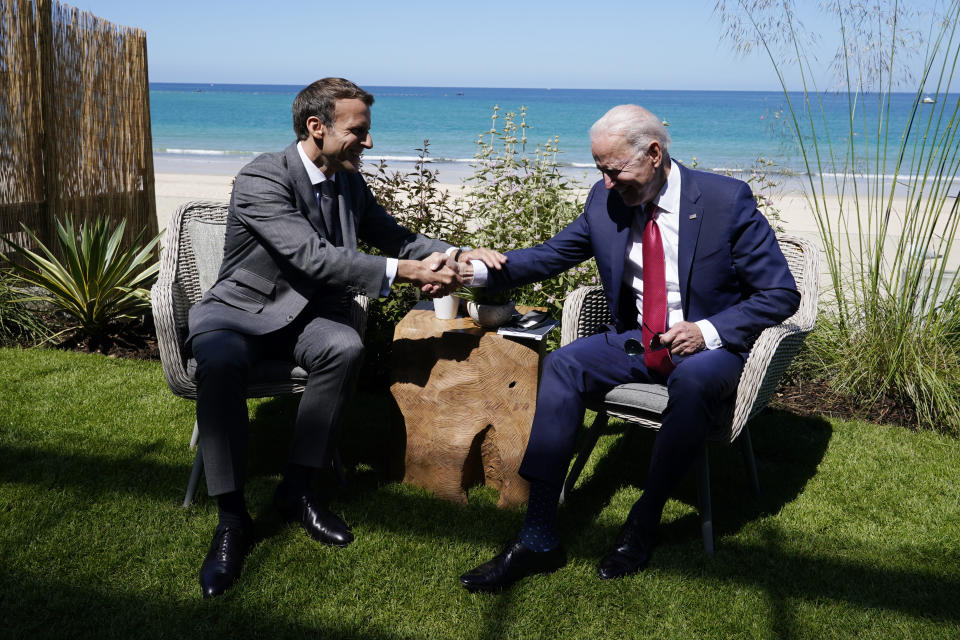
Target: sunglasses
[{"x": 634, "y": 347}]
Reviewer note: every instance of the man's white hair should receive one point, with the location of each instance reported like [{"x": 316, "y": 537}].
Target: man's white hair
[{"x": 637, "y": 125}]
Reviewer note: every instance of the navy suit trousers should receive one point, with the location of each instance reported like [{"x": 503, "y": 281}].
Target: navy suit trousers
[{"x": 701, "y": 390}]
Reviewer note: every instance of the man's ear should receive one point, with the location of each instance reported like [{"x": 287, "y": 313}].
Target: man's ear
[
  {"x": 655, "y": 151},
  {"x": 316, "y": 129}
]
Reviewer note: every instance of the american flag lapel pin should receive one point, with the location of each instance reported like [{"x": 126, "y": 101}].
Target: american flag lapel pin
[{"x": 693, "y": 216}]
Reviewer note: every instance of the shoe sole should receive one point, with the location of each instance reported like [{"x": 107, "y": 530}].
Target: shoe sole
[{"x": 479, "y": 588}]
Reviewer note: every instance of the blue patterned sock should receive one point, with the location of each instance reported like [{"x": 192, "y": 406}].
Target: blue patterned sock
[{"x": 539, "y": 531}]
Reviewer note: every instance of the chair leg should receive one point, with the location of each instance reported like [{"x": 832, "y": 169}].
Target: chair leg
[
  {"x": 706, "y": 509},
  {"x": 195, "y": 436},
  {"x": 593, "y": 434},
  {"x": 746, "y": 448},
  {"x": 194, "y": 478}
]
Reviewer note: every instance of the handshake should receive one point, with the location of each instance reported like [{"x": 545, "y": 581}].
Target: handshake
[{"x": 439, "y": 274}]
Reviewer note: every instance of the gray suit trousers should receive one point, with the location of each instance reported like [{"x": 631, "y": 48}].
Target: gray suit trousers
[{"x": 322, "y": 341}]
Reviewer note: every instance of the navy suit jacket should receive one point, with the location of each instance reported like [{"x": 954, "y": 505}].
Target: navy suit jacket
[{"x": 732, "y": 271}]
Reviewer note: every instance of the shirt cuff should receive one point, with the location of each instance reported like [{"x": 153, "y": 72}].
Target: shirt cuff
[
  {"x": 389, "y": 276},
  {"x": 710, "y": 336},
  {"x": 479, "y": 274}
]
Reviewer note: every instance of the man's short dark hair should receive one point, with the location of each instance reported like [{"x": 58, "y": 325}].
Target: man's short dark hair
[{"x": 319, "y": 99}]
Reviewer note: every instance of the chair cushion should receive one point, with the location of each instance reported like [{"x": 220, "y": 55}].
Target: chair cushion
[
  {"x": 638, "y": 396},
  {"x": 646, "y": 402},
  {"x": 207, "y": 240}
]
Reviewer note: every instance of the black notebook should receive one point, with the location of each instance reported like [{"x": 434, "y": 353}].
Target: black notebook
[{"x": 534, "y": 325}]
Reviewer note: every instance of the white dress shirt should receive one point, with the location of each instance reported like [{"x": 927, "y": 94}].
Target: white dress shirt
[{"x": 668, "y": 220}]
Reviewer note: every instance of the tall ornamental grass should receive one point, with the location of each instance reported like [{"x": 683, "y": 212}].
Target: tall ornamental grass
[{"x": 882, "y": 190}]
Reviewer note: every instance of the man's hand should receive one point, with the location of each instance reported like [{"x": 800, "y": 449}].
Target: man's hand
[
  {"x": 436, "y": 275},
  {"x": 683, "y": 339},
  {"x": 493, "y": 259}
]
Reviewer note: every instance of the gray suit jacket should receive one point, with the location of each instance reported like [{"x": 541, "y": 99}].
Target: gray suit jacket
[{"x": 275, "y": 255}]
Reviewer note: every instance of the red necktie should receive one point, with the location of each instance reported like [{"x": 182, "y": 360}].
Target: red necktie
[{"x": 654, "y": 296}]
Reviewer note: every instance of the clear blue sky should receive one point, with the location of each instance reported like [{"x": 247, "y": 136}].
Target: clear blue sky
[{"x": 613, "y": 44}]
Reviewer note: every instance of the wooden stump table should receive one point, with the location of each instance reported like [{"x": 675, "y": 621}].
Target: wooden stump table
[{"x": 467, "y": 396}]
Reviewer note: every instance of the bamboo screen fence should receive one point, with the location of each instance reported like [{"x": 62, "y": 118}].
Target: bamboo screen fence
[{"x": 74, "y": 120}]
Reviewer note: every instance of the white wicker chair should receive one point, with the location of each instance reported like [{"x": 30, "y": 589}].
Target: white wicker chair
[
  {"x": 585, "y": 312},
  {"x": 188, "y": 267}
]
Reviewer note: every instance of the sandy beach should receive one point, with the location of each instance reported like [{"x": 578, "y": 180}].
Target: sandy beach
[
  {"x": 184, "y": 182},
  {"x": 187, "y": 183}
]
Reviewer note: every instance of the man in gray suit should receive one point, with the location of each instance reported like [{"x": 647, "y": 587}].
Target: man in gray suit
[{"x": 290, "y": 268}]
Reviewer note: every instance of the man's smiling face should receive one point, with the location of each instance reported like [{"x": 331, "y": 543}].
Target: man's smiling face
[{"x": 344, "y": 141}]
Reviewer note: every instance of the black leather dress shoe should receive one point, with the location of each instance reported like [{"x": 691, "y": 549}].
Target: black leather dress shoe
[
  {"x": 630, "y": 554},
  {"x": 224, "y": 561},
  {"x": 320, "y": 523},
  {"x": 516, "y": 561}
]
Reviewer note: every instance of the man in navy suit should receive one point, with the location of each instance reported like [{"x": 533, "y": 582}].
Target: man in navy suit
[{"x": 706, "y": 260}]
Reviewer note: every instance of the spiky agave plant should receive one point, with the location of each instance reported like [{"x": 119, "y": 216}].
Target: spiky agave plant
[{"x": 97, "y": 283}]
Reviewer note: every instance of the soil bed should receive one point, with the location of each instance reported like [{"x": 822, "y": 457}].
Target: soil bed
[{"x": 817, "y": 399}]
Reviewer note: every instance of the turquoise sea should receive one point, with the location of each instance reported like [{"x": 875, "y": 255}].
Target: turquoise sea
[{"x": 225, "y": 125}]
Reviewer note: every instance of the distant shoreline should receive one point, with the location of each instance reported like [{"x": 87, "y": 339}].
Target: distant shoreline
[{"x": 453, "y": 173}]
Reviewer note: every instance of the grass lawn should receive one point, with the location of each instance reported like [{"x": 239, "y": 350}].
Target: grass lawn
[{"x": 857, "y": 533}]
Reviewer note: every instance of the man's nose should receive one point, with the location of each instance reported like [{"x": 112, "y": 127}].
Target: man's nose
[
  {"x": 367, "y": 142},
  {"x": 609, "y": 182}
]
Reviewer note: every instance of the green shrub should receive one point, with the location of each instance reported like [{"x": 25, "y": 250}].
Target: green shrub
[
  {"x": 513, "y": 199},
  {"x": 519, "y": 199},
  {"x": 97, "y": 283},
  {"x": 417, "y": 201}
]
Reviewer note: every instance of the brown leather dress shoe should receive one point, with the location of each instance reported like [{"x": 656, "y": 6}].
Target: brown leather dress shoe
[
  {"x": 318, "y": 521},
  {"x": 516, "y": 561},
  {"x": 224, "y": 561},
  {"x": 630, "y": 553}
]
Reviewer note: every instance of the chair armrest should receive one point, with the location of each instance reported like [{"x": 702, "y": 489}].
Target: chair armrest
[
  {"x": 777, "y": 345},
  {"x": 768, "y": 360},
  {"x": 174, "y": 366},
  {"x": 585, "y": 311}
]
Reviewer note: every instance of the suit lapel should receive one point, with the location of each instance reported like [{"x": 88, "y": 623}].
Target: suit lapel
[
  {"x": 622, "y": 217},
  {"x": 691, "y": 216},
  {"x": 304, "y": 188}
]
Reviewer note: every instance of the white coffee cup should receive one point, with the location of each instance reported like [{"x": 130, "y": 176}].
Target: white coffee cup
[{"x": 446, "y": 307}]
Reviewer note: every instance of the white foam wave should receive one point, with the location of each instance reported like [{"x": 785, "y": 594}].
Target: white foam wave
[
  {"x": 400, "y": 158},
  {"x": 874, "y": 176},
  {"x": 206, "y": 152},
  {"x": 430, "y": 159}
]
